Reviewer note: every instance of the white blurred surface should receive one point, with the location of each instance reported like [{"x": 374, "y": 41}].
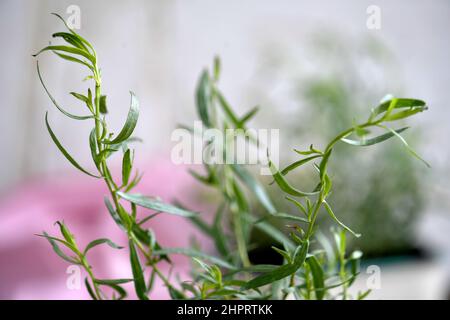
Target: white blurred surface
[{"x": 405, "y": 281}]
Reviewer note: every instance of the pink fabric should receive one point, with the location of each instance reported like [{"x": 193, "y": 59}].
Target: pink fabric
[{"x": 29, "y": 269}]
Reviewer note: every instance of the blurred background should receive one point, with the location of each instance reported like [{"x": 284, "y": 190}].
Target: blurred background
[{"x": 313, "y": 67}]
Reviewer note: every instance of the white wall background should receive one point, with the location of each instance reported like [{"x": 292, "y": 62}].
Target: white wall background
[{"x": 158, "y": 48}]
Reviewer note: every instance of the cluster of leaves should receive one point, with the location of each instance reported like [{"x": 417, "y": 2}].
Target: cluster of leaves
[
  {"x": 384, "y": 210},
  {"x": 302, "y": 271},
  {"x": 79, "y": 257},
  {"x": 306, "y": 272},
  {"x": 103, "y": 145}
]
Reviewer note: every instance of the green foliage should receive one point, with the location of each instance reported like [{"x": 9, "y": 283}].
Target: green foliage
[
  {"x": 380, "y": 190},
  {"x": 305, "y": 273},
  {"x": 104, "y": 144},
  {"x": 78, "y": 257}
]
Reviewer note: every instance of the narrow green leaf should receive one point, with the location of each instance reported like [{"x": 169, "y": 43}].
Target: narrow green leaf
[
  {"x": 216, "y": 68},
  {"x": 203, "y": 98},
  {"x": 284, "y": 184},
  {"x": 404, "y": 114},
  {"x": 248, "y": 116},
  {"x": 275, "y": 275},
  {"x": 342, "y": 243},
  {"x": 93, "y": 148},
  {"x": 130, "y": 123},
  {"x": 89, "y": 77},
  {"x": 63, "y": 151},
  {"x": 147, "y": 218},
  {"x": 76, "y": 51},
  {"x": 202, "y": 225},
  {"x": 103, "y": 108},
  {"x": 324, "y": 164},
  {"x": 202, "y": 179},
  {"x": 84, "y": 99},
  {"x": 195, "y": 254},
  {"x": 147, "y": 237},
  {"x": 135, "y": 181},
  {"x": 151, "y": 281},
  {"x": 66, "y": 233},
  {"x": 74, "y": 33},
  {"x": 115, "y": 285},
  {"x": 333, "y": 216},
  {"x": 216, "y": 274},
  {"x": 124, "y": 144},
  {"x": 222, "y": 293},
  {"x": 363, "y": 295},
  {"x": 336, "y": 285},
  {"x": 391, "y": 107},
  {"x": 126, "y": 167},
  {"x": 311, "y": 150},
  {"x": 280, "y": 272},
  {"x": 57, "y": 250},
  {"x": 176, "y": 294},
  {"x": 301, "y": 255},
  {"x": 258, "y": 268},
  {"x": 89, "y": 289},
  {"x": 63, "y": 242},
  {"x": 112, "y": 281},
  {"x": 240, "y": 197},
  {"x": 71, "y": 39},
  {"x": 81, "y": 97},
  {"x": 121, "y": 291},
  {"x": 97, "y": 242},
  {"x": 318, "y": 277},
  {"x": 114, "y": 214},
  {"x": 411, "y": 150},
  {"x": 327, "y": 184},
  {"x": 372, "y": 141},
  {"x": 299, "y": 206},
  {"x": 218, "y": 234},
  {"x": 297, "y": 164},
  {"x": 202, "y": 264},
  {"x": 56, "y": 103},
  {"x": 284, "y": 254},
  {"x": 125, "y": 217},
  {"x": 228, "y": 110},
  {"x": 73, "y": 59},
  {"x": 287, "y": 216},
  {"x": 400, "y": 103},
  {"x": 138, "y": 275},
  {"x": 155, "y": 204}
]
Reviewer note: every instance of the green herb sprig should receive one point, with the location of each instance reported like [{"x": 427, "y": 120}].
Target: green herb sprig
[
  {"x": 103, "y": 144},
  {"x": 304, "y": 273}
]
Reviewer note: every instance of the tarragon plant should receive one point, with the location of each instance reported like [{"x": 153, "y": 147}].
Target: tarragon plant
[{"x": 312, "y": 268}]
